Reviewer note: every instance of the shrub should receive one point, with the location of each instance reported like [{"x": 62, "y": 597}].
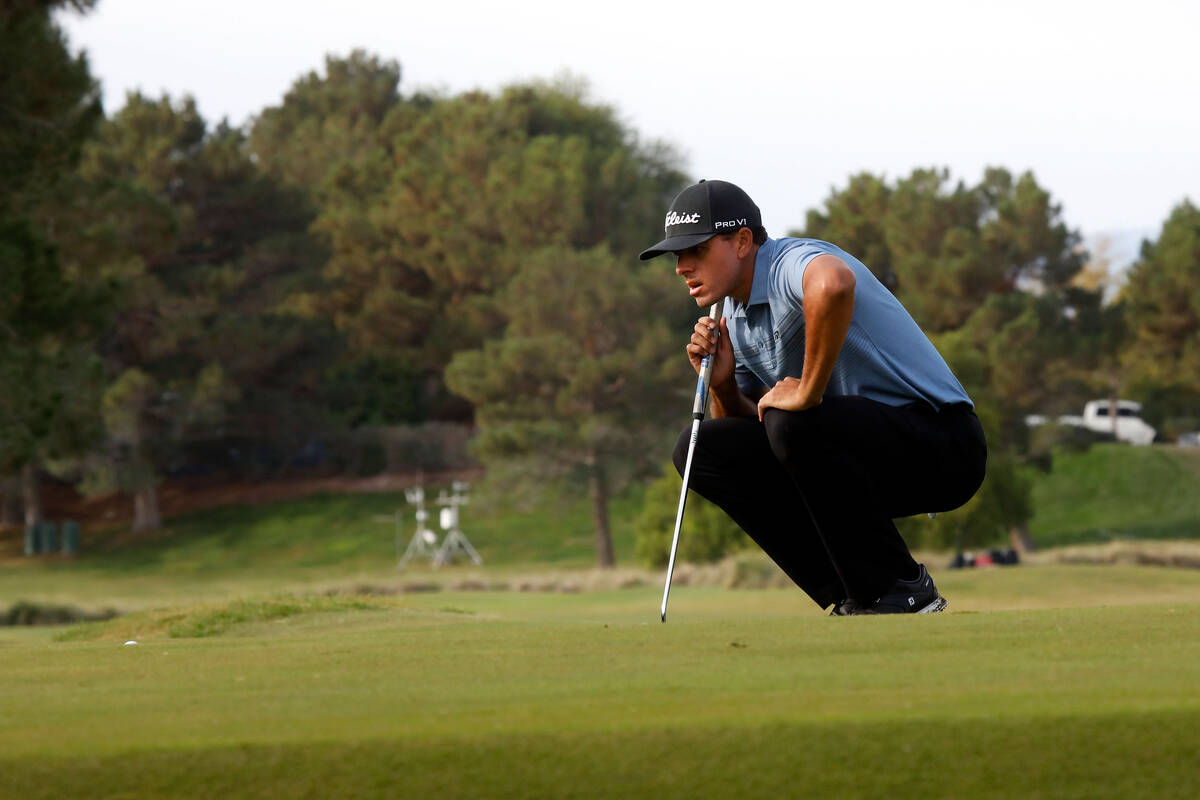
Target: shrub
[
  {"x": 1174, "y": 427},
  {"x": 708, "y": 533}
]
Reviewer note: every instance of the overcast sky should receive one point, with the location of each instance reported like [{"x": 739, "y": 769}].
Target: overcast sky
[{"x": 1099, "y": 99}]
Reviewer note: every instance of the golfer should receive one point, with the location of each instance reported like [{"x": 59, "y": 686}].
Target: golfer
[{"x": 831, "y": 414}]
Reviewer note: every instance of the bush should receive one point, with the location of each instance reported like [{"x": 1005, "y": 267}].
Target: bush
[
  {"x": 1174, "y": 427},
  {"x": 708, "y": 534}
]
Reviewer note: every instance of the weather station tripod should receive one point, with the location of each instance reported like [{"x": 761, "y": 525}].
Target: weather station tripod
[{"x": 455, "y": 541}]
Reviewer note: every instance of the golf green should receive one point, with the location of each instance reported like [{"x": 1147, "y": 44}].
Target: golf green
[{"x": 506, "y": 694}]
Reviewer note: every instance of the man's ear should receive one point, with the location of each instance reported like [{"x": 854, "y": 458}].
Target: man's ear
[{"x": 744, "y": 241}]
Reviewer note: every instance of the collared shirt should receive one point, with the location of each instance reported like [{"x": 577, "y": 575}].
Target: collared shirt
[{"x": 886, "y": 357}]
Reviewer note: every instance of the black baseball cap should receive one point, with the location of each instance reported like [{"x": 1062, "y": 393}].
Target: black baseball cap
[{"x": 700, "y": 212}]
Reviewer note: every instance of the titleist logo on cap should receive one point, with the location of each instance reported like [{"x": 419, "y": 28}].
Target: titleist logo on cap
[{"x": 674, "y": 218}]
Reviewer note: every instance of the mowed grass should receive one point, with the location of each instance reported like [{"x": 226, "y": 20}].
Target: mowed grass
[
  {"x": 1054, "y": 682},
  {"x": 249, "y": 680}
]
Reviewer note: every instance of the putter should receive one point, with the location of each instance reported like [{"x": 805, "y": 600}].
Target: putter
[{"x": 697, "y": 416}]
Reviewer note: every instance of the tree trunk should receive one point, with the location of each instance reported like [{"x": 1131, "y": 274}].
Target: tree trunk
[
  {"x": 31, "y": 495},
  {"x": 146, "y": 516},
  {"x": 598, "y": 486},
  {"x": 1020, "y": 539}
]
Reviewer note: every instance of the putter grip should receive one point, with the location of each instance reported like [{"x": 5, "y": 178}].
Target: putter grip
[{"x": 706, "y": 367}]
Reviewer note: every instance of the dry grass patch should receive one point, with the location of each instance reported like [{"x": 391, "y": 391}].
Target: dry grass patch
[{"x": 1165, "y": 553}]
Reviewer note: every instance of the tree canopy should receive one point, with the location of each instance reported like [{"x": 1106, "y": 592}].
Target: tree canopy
[
  {"x": 944, "y": 249},
  {"x": 180, "y": 296}
]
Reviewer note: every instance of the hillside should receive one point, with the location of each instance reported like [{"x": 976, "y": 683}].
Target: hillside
[{"x": 1116, "y": 491}]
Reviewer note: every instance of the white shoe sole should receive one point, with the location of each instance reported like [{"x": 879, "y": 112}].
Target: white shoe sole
[{"x": 937, "y": 605}]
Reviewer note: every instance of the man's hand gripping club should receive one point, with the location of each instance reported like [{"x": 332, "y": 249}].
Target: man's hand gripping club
[{"x": 727, "y": 398}]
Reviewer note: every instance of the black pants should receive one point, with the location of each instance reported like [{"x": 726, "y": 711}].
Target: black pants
[{"x": 857, "y": 464}]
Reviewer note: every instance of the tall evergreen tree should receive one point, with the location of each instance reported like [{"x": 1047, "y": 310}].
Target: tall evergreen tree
[
  {"x": 426, "y": 229},
  {"x": 327, "y": 141},
  {"x": 207, "y": 249},
  {"x": 49, "y": 104},
  {"x": 50, "y": 375},
  {"x": 586, "y": 378},
  {"x": 1161, "y": 300}
]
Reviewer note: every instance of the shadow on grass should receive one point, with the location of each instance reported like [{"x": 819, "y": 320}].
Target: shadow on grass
[
  {"x": 1132, "y": 755},
  {"x": 26, "y": 613}
]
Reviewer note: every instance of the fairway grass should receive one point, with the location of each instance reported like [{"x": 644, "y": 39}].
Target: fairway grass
[{"x": 1054, "y": 682}]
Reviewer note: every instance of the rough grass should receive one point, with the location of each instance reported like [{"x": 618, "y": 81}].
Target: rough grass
[
  {"x": 1179, "y": 553},
  {"x": 212, "y": 619},
  {"x": 1055, "y": 681}
]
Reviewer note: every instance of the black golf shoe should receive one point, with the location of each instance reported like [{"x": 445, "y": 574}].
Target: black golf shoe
[{"x": 918, "y": 596}]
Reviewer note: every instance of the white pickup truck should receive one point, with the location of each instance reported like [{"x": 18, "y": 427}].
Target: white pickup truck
[{"x": 1126, "y": 425}]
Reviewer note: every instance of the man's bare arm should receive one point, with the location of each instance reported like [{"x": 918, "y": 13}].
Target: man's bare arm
[
  {"x": 731, "y": 402},
  {"x": 828, "y": 309}
]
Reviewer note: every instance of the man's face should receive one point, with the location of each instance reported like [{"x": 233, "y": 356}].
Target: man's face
[{"x": 711, "y": 269}]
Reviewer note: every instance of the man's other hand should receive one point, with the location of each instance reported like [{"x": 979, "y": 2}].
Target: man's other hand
[{"x": 786, "y": 396}]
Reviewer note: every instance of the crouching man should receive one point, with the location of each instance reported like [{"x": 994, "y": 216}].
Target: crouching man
[{"x": 832, "y": 413}]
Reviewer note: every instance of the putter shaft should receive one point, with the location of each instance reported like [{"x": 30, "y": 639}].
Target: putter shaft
[
  {"x": 698, "y": 407},
  {"x": 687, "y": 470}
]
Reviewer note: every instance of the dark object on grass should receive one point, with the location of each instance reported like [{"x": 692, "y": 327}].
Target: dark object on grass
[
  {"x": 47, "y": 534},
  {"x": 70, "y": 537},
  {"x": 1004, "y": 558},
  {"x": 42, "y": 538},
  {"x": 26, "y": 613}
]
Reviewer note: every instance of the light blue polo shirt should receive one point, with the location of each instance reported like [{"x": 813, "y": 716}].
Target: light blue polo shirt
[{"x": 886, "y": 357}]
